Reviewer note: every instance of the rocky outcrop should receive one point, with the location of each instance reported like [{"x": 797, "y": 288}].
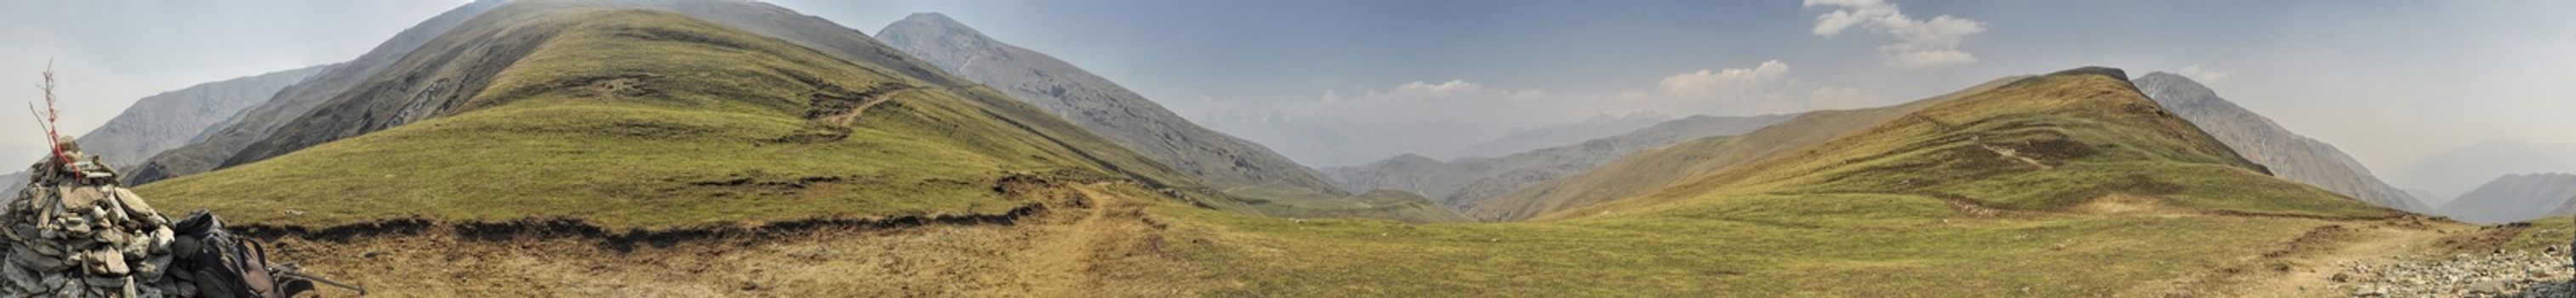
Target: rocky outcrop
[
  {"x": 2517, "y": 197},
  {"x": 1464, "y": 182},
  {"x": 2287, "y": 154},
  {"x": 1098, "y": 105}
]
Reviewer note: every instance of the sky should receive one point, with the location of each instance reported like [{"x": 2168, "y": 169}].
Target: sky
[{"x": 1340, "y": 82}]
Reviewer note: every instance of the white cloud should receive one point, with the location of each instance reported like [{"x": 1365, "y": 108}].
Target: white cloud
[
  {"x": 2204, "y": 76},
  {"x": 1452, "y": 87},
  {"x": 1920, "y": 43},
  {"x": 1705, "y": 82},
  {"x": 1838, "y": 98}
]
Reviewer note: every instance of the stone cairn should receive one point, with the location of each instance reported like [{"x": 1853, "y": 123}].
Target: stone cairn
[{"x": 73, "y": 232}]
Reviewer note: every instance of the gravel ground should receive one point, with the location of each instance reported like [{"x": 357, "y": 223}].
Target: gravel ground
[{"x": 2498, "y": 274}]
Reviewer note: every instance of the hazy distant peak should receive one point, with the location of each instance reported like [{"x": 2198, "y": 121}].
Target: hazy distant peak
[
  {"x": 1411, "y": 158},
  {"x": 2174, "y": 89},
  {"x": 927, "y": 22},
  {"x": 930, "y": 16}
]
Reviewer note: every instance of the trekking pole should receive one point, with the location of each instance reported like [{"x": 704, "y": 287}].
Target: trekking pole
[{"x": 299, "y": 274}]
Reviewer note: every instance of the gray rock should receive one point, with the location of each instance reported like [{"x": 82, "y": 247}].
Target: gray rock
[{"x": 2487, "y": 287}]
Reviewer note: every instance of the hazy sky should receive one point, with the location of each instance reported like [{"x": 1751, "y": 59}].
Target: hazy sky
[
  {"x": 2389, "y": 81},
  {"x": 1341, "y": 82}
]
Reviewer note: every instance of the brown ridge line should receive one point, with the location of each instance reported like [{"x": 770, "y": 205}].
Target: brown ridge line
[{"x": 626, "y": 240}]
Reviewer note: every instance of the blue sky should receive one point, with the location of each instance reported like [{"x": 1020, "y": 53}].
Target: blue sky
[{"x": 1341, "y": 82}]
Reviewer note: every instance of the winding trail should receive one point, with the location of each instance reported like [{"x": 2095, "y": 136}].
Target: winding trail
[{"x": 844, "y": 119}]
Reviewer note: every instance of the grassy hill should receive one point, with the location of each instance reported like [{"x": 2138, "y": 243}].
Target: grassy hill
[
  {"x": 2101, "y": 194},
  {"x": 651, "y": 120}
]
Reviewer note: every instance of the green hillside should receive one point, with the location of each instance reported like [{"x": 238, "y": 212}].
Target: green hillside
[
  {"x": 640, "y": 119},
  {"x": 2103, "y": 194},
  {"x": 2043, "y": 143}
]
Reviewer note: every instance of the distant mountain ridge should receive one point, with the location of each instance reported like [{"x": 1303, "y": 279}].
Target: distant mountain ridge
[
  {"x": 1650, "y": 171},
  {"x": 170, "y": 119},
  {"x": 1097, "y": 104},
  {"x": 1525, "y": 140},
  {"x": 2516, "y": 197},
  {"x": 2452, "y": 173},
  {"x": 1463, "y": 183},
  {"x": 2286, "y": 154},
  {"x": 209, "y": 150}
]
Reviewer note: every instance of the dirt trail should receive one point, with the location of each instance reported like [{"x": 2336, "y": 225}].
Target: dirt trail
[
  {"x": 2015, "y": 155},
  {"x": 1112, "y": 230},
  {"x": 2304, "y": 266},
  {"x": 2378, "y": 244},
  {"x": 844, "y": 119}
]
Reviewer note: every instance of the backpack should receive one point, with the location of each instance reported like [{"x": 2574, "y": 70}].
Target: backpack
[{"x": 226, "y": 265}]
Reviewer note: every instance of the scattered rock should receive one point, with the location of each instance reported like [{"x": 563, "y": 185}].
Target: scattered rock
[{"x": 2495, "y": 274}]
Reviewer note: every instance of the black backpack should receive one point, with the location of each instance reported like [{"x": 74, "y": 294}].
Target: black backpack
[{"x": 227, "y": 265}]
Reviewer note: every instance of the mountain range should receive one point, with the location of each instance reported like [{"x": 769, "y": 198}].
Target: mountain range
[
  {"x": 2452, "y": 173},
  {"x": 1466, "y": 182},
  {"x": 1530, "y": 139},
  {"x": 2516, "y": 197}
]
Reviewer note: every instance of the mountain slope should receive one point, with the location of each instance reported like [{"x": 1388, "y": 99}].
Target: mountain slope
[
  {"x": 170, "y": 119},
  {"x": 208, "y": 150},
  {"x": 724, "y": 127},
  {"x": 426, "y": 87},
  {"x": 1467, "y": 181},
  {"x": 2515, "y": 197},
  {"x": 1646, "y": 172},
  {"x": 2285, "y": 153},
  {"x": 1097, "y": 104}
]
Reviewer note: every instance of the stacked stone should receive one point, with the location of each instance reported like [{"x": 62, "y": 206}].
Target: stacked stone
[{"x": 74, "y": 233}]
